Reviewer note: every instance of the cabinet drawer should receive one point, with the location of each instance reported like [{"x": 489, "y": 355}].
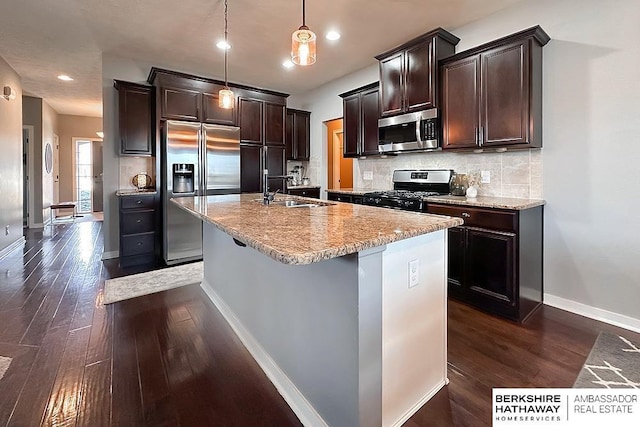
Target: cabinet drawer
[
  {"x": 478, "y": 217},
  {"x": 137, "y": 202},
  {"x": 136, "y": 244},
  {"x": 307, "y": 192},
  {"x": 340, "y": 197},
  {"x": 133, "y": 222}
]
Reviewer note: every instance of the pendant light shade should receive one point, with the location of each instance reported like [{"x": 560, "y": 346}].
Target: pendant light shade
[
  {"x": 226, "y": 98},
  {"x": 303, "y": 44}
]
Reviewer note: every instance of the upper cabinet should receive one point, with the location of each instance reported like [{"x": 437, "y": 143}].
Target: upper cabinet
[
  {"x": 135, "y": 118},
  {"x": 361, "y": 112},
  {"x": 297, "y": 134},
  {"x": 492, "y": 94},
  {"x": 409, "y": 73},
  {"x": 262, "y": 122},
  {"x": 190, "y": 98}
]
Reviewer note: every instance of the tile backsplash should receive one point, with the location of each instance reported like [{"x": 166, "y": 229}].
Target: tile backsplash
[
  {"x": 131, "y": 166},
  {"x": 512, "y": 173}
]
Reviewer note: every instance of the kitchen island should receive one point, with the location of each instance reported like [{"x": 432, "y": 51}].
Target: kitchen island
[{"x": 326, "y": 302}]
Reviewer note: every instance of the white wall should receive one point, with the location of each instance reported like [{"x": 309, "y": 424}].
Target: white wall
[
  {"x": 591, "y": 105},
  {"x": 11, "y": 158}
]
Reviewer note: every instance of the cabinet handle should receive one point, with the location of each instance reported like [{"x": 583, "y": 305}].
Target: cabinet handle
[
  {"x": 138, "y": 221},
  {"x": 466, "y": 215},
  {"x": 138, "y": 202},
  {"x": 139, "y": 243},
  {"x": 480, "y": 135}
]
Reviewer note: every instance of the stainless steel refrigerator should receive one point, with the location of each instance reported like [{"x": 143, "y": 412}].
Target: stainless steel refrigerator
[{"x": 198, "y": 160}]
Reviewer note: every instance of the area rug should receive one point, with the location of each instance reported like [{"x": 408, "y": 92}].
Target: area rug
[
  {"x": 136, "y": 285},
  {"x": 4, "y": 365},
  {"x": 614, "y": 362}
]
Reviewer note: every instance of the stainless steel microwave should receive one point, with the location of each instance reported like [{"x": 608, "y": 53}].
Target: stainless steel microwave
[{"x": 417, "y": 131}]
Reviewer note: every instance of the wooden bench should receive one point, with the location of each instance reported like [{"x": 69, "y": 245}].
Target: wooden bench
[{"x": 62, "y": 205}]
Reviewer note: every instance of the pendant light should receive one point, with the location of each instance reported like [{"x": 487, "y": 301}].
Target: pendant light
[
  {"x": 225, "y": 96},
  {"x": 303, "y": 44}
]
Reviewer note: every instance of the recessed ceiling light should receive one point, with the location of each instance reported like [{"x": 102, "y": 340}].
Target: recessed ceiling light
[
  {"x": 287, "y": 64},
  {"x": 333, "y": 35},
  {"x": 223, "y": 45},
  {"x": 65, "y": 78}
]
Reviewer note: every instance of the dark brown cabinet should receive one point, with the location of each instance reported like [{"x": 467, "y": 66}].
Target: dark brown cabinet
[
  {"x": 251, "y": 121},
  {"x": 345, "y": 198},
  {"x": 135, "y": 118},
  {"x": 492, "y": 95},
  {"x": 138, "y": 223},
  {"x": 190, "y": 98},
  {"x": 360, "y": 121},
  {"x": 297, "y": 134},
  {"x": 312, "y": 192},
  {"x": 250, "y": 168},
  {"x": 213, "y": 113},
  {"x": 262, "y": 122},
  {"x": 276, "y": 164},
  {"x": 409, "y": 73},
  {"x": 495, "y": 259}
]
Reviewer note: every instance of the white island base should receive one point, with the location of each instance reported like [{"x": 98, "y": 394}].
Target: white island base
[{"x": 345, "y": 341}]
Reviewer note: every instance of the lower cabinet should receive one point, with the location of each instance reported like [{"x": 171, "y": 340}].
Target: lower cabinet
[
  {"x": 138, "y": 224},
  {"x": 314, "y": 192},
  {"x": 495, "y": 259},
  {"x": 346, "y": 198},
  {"x": 252, "y": 164}
]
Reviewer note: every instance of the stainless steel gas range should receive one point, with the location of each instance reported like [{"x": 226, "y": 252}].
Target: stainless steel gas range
[{"x": 410, "y": 188}]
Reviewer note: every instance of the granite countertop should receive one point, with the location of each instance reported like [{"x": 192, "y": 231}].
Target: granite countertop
[
  {"x": 307, "y": 235},
  {"x": 351, "y": 191},
  {"x": 487, "y": 202},
  {"x": 135, "y": 192},
  {"x": 480, "y": 201},
  {"x": 302, "y": 187}
]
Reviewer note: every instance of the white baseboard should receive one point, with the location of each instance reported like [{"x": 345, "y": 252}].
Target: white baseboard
[
  {"x": 595, "y": 313},
  {"x": 421, "y": 403},
  {"x": 110, "y": 255},
  {"x": 12, "y": 247},
  {"x": 305, "y": 412}
]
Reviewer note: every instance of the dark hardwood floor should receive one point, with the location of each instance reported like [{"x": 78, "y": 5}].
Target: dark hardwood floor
[{"x": 170, "y": 359}]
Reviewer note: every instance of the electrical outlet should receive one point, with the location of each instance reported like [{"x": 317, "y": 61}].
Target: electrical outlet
[
  {"x": 414, "y": 273},
  {"x": 6, "y": 230},
  {"x": 367, "y": 175},
  {"x": 485, "y": 177}
]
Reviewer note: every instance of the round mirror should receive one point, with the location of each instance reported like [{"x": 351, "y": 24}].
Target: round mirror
[{"x": 48, "y": 158}]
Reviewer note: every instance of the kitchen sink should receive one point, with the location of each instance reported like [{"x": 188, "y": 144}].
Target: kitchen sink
[{"x": 294, "y": 203}]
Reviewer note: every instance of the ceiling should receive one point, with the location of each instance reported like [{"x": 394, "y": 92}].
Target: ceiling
[{"x": 44, "y": 38}]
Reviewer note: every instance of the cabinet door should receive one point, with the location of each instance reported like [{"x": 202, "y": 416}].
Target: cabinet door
[
  {"x": 369, "y": 122},
  {"x": 180, "y": 104},
  {"x": 276, "y": 165},
  {"x": 490, "y": 272},
  {"x": 455, "y": 255},
  {"x": 391, "y": 84},
  {"x": 461, "y": 103},
  {"x": 250, "y": 111},
  {"x": 289, "y": 136},
  {"x": 419, "y": 84},
  {"x": 250, "y": 168},
  {"x": 351, "y": 125},
  {"x": 135, "y": 124},
  {"x": 301, "y": 126},
  {"x": 505, "y": 105},
  {"x": 212, "y": 113},
  {"x": 274, "y": 117}
]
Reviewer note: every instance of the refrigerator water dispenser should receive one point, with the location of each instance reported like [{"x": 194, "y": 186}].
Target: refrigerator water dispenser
[{"x": 183, "y": 177}]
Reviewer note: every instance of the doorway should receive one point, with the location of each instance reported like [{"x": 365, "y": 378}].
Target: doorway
[
  {"x": 88, "y": 185},
  {"x": 339, "y": 168},
  {"x": 27, "y": 173}
]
